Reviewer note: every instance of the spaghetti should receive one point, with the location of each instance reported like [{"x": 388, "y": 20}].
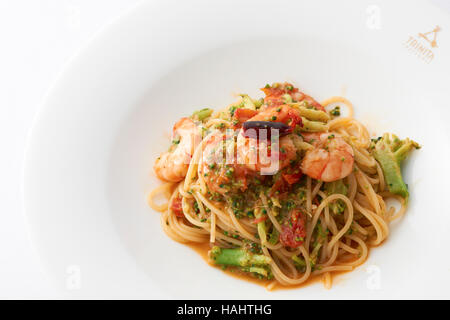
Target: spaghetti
[{"x": 318, "y": 213}]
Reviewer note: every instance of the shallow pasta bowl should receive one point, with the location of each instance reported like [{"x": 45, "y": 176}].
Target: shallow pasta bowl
[{"x": 89, "y": 161}]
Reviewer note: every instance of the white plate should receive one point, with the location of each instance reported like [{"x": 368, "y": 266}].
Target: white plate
[{"x": 89, "y": 160}]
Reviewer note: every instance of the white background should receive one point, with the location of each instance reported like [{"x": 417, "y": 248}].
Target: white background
[{"x": 37, "y": 39}]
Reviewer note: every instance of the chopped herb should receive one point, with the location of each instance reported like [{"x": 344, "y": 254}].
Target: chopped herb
[
  {"x": 336, "y": 111},
  {"x": 232, "y": 110}
]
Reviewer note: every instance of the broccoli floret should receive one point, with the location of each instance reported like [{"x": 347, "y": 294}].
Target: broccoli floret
[
  {"x": 390, "y": 151},
  {"x": 274, "y": 236},
  {"x": 202, "y": 114},
  {"x": 299, "y": 263},
  {"x": 243, "y": 259},
  {"x": 238, "y": 257},
  {"x": 312, "y": 126},
  {"x": 248, "y": 103},
  {"x": 338, "y": 206}
]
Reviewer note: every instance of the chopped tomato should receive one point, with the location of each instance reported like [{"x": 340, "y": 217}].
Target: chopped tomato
[
  {"x": 293, "y": 230},
  {"x": 288, "y": 177},
  {"x": 292, "y": 178},
  {"x": 314, "y": 103},
  {"x": 295, "y": 119},
  {"x": 177, "y": 207},
  {"x": 243, "y": 115}
]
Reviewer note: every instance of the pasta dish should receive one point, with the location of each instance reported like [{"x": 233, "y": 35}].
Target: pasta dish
[{"x": 282, "y": 188}]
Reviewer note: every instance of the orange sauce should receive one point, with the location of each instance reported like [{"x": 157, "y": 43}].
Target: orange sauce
[{"x": 203, "y": 248}]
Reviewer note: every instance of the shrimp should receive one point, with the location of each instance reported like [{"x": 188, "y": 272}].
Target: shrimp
[
  {"x": 219, "y": 168},
  {"x": 264, "y": 155},
  {"x": 275, "y": 93},
  {"x": 331, "y": 158},
  {"x": 173, "y": 165}
]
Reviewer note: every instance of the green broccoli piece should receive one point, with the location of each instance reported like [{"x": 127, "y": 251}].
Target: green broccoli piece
[
  {"x": 238, "y": 257},
  {"x": 248, "y": 103},
  {"x": 312, "y": 126},
  {"x": 261, "y": 272},
  {"x": 315, "y": 253},
  {"x": 390, "y": 151},
  {"x": 338, "y": 186},
  {"x": 299, "y": 263},
  {"x": 310, "y": 114},
  {"x": 202, "y": 114},
  {"x": 274, "y": 236}
]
